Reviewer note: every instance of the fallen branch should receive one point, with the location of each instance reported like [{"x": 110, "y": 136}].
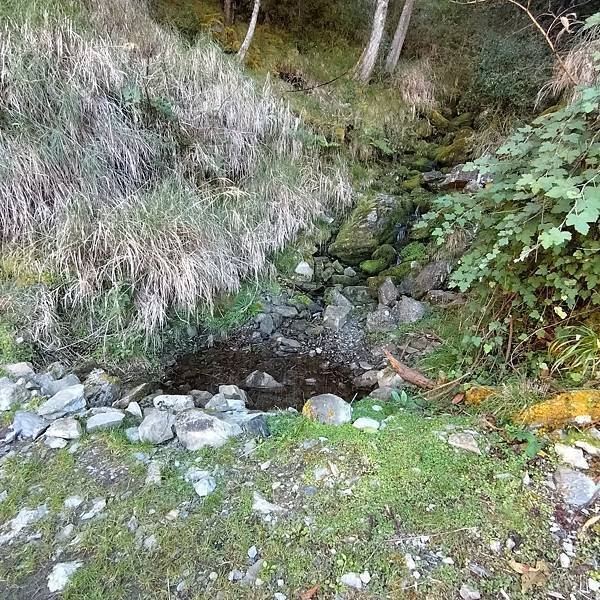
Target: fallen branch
[{"x": 410, "y": 375}]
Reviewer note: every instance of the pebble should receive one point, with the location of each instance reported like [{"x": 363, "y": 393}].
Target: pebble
[
  {"x": 97, "y": 507},
  {"x": 366, "y": 424},
  {"x": 352, "y": 580},
  {"x": 565, "y": 561},
  {"x": 464, "y": 441},
  {"x": 73, "y": 502},
  {"x": 469, "y": 593},
  {"x": 55, "y": 443},
  {"x": 252, "y": 552},
  {"x": 205, "y": 486},
  {"x": 279, "y": 596}
]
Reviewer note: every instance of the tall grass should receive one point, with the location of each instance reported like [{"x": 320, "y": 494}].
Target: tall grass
[{"x": 128, "y": 158}]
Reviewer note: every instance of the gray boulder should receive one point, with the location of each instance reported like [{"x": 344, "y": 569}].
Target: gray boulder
[
  {"x": 432, "y": 277},
  {"x": 12, "y": 394},
  {"x": 67, "y": 428},
  {"x": 109, "y": 419},
  {"x": 259, "y": 380},
  {"x": 53, "y": 386},
  {"x": 405, "y": 310},
  {"x": 174, "y": 403},
  {"x": 71, "y": 400},
  {"x": 22, "y": 370},
  {"x": 575, "y": 487},
  {"x": 328, "y": 409},
  {"x": 133, "y": 395},
  {"x": 335, "y": 317},
  {"x": 387, "y": 292},
  {"x": 232, "y": 392},
  {"x": 367, "y": 380},
  {"x": 157, "y": 427},
  {"x": 219, "y": 403},
  {"x": 266, "y": 324},
  {"x": 256, "y": 427},
  {"x": 196, "y": 429},
  {"x": 101, "y": 389},
  {"x": 28, "y": 425}
]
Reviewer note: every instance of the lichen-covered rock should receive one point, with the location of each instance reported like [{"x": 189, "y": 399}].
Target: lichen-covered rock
[
  {"x": 478, "y": 393},
  {"x": 578, "y": 407},
  {"x": 102, "y": 389},
  {"x": 431, "y": 277},
  {"x": 71, "y": 400},
  {"x": 12, "y": 394},
  {"x": 28, "y": 425},
  {"x": 197, "y": 429},
  {"x": 370, "y": 224},
  {"x": 328, "y": 409},
  {"x": 454, "y": 153},
  {"x": 157, "y": 427}
]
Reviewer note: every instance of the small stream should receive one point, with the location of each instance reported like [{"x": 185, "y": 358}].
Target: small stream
[{"x": 302, "y": 375}]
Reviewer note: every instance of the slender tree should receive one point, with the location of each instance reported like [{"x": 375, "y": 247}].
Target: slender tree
[
  {"x": 250, "y": 33},
  {"x": 228, "y": 10},
  {"x": 367, "y": 61},
  {"x": 398, "y": 42}
]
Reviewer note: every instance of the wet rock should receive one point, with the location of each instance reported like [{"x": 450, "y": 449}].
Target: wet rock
[
  {"x": 387, "y": 292},
  {"x": 571, "y": 456},
  {"x": 101, "y": 389},
  {"x": 335, "y": 317},
  {"x": 110, "y": 419},
  {"x": 67, "y": 428},
  {"x": 21, "y": 370},
  {"x": 157, "y": 427},
  {"x": 174, "y": 403},
  {"x": 12, "y": 394},
  {"x": 259, "y": 380},
  {"x": 52, "y": 387},
  {"x": 366, "y": 424},
  {"x": 28, "y": 425},
  {"x": 575, "y": 487},
  {"x": 196, "y": 429},
  {"x": 71, "y": 400},
  {"x": 432, "y": 179},
  {"x": 133, "y": 395},
  {"x": 304, "y": 270},
  {"x": 464, "y": 441},
  {"x": 328, "y": 409},
  {"x": 61, "y": 574},
  {"x": 431, "y": 277}
]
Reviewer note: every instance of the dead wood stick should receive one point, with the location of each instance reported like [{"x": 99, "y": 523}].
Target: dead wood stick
[{"x": 411, "y": 375}]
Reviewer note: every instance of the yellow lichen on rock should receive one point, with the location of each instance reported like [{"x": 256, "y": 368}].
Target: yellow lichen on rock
[
  {"x": 477, "y": 394},
  {"x": 578, "y": 407}
]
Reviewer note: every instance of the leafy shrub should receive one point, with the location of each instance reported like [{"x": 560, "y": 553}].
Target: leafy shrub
[
  {"x": 536, "y": 243},
  {"x": 576, "y": 349}
]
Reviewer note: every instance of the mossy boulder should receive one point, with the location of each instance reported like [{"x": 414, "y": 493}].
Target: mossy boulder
[
  {"x": 398, "y": 272},
  {"x": 464, "y": 120},
  {"x": 413, "y": 183},
  {"x": 371, "y": 224},
  {"x": 414, "y": 251},
  {"x": 421, "y": 164},
  {"x": 385, "y": 252},
  {"x": 438, "y": 120},
  {"x": 455, "y": 153},
  {"x": 372, "y": 267}
]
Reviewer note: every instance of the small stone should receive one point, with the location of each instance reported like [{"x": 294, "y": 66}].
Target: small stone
[
  {"x": 387, "y": 292},
  {"x": 235, "y": 575},
  {"x": 71, "y": 400},
  {"x": 22, "y": 370},
  {"x": 366, "y": 424},
  {"x": 388, "y": 378},
  {"x": 259, "y": 504},
  {"x": 252, "y": 552},
  {"x": 328, "y": 409},
  {"x": 213, "y": 576},
  {"x": 565, "y": 561},
  {"x": 174, "y": 403},
  {"x": 110, "y": 419},
  {"x": 150, "y": 543},
  {"x": 153, "y": 476},
  {"x": 67, "y": 428},
  {"x": 98, "y": 505},
  {"x": 101, "y": 389},
  {"x": 205, "y": 486},
  {"x": 197, "y": 429},
  {"x": 593, "y": 585},
  {"x": 304, "y": 270},
  {"x": 267, "y": 326},
  {"x": 134, "y": 395},
  {"x": 464, "y": 441},
  {"x": 157, "y": 427},
  {"x": 410, "y": 563},
  {"x": 133, "y": 435},
  {"x": 51, "y": 388},
  {"x": 469, "y": 593},
  {"x": 134, "y": 409},
  {"x": 259, "y": 380},
  {"x": 352, "y": 580},
  {"x": 367, "y": 380},
  {"x": 365, "y": 577},
  {"x": 571, "y": 456},
  {"x": 279, "y": 596},
  {"x": 73, "y": 502},
  {"x": 61, "y": 574},
  {"x": 55, "y": 443},
  {"x": 12, "y": 394},
  {"x": 28, "y": 425},
  {"x": 588, "y": 448}
]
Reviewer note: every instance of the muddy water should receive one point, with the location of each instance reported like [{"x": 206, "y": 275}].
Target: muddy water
[{"x": 303, "y": 376}]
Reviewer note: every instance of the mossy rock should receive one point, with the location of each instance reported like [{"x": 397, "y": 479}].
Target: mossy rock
[
  {"x": 414, "y": 251},
  {"x": 398, "y": 272},
  {"x": 455, "y": 153},
  {"x": 438, "y": 120},
  {"x": 413, "y": 183},
  {"x": 372, "y": 267},
  {"x": 371, "y": 224},
  {"x": 464, "y": 120},
  {"x": 373, "y": 285},
  {"x": 385, "y": 252},
  {"x": 421, "y": 164}
]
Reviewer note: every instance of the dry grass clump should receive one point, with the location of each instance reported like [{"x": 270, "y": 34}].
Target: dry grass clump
[
  {"x": 130, "y": 159},
  {"x": 415, "y": 80},
  {"x": 580, "y": 68}
]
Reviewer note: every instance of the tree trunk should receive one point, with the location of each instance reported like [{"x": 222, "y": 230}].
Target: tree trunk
[
  {"x": 228, "y": 10},
  {"x": 250, "y": 34},
  {"x": 366, "y": 64},
  {"x": 399, "y": 37}
]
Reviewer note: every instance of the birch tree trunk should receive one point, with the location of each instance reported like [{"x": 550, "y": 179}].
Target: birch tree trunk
[
  {"x": 399, "y": 37},
  {"x": 250, "y": 33},
  {"x": 367, "y": 61},
  {"x": 228, "y": 10}
]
